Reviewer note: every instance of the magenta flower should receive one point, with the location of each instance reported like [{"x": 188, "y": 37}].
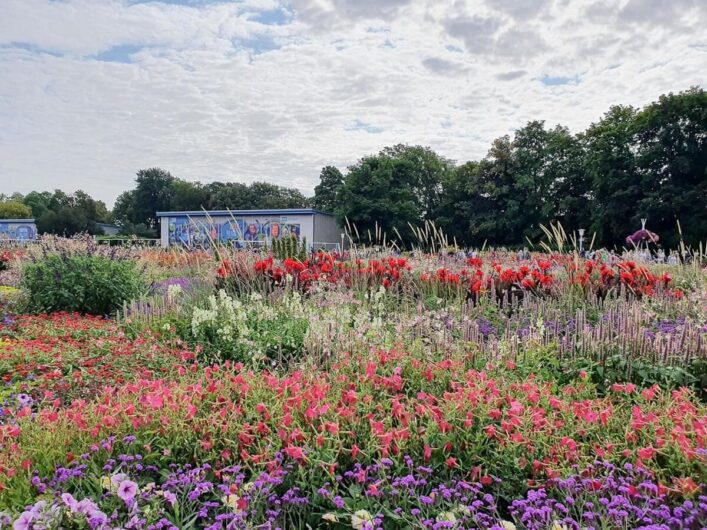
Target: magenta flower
[{"x": 127, "y": 490}]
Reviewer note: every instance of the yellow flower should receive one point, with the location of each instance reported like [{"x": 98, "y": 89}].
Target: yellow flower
[
  {"x": 330, "y": 517},
  {"x": 231, "y": 501},
  {"x": 360, "y": 518},
  {"x": 105, "y": 482},
  {"x": 447, "y": 517}
]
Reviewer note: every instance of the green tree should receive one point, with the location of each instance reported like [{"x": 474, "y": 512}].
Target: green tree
[
  {"x": 611, "y": 166},
  {"x": 458, "y": 202},
  {"x": 38, "y": 202},
  {"x": 330, "y": 182},
  {"x": 70, "y": 214},
  {"x": 14, "y": 210},
  {"x": 401, "y": 185},
  {"x": 495, "y": 205},
  {"x": 153, "y": 193},
  {"x": 671, "y": 146},
  {"x": 229, "y": 195},
  {"x": 264, "y": 195},
  {"x": 188, "y": 196},
  {"x": 570, "y": 191}
]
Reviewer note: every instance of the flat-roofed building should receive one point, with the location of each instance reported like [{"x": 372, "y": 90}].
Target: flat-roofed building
[{"x": 249, "y": 228}]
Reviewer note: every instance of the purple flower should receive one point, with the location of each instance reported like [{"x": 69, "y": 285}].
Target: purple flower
[{"x": 127, "y": 490}]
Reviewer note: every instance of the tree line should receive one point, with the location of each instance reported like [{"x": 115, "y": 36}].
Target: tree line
[{"x": 631, "y": 164}]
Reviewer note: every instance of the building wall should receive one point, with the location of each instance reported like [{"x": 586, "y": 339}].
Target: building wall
[
  {"x": 164, "y": 231},
  {"x": 326, "y": 230},
  {"x": 22, "y": 229},
  {"x": 237, "y": 229}
]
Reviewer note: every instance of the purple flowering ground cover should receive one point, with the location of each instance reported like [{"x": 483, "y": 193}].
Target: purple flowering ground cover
[{"x": 119, "y": 485}]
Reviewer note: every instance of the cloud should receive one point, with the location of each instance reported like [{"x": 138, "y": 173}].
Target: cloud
[
  {"x": 93, "y": 90},
  {"x": 510, "y": 76},
  {"x": 518, "y": 9},
  {"x": 443, "y": 67},
  {"x": 662, "y": 13},
  {"x": 476, "y": 32}
]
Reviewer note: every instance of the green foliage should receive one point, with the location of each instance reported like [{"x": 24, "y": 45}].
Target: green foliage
[
  {"x": 398, "y": 187},
  {"x": 257, "y": 195},
  {"x": 251, "y": 331},
  {"x": 14, "y": 210},
  {"x": 616, "y": 369},
  {"x": 83, "y": 283},
  {"x": 67, "y": 215},
  {"x": 330, "y": 182},
  {"x": 289, "y": 247},
  {"x": 671, "y": 136}
]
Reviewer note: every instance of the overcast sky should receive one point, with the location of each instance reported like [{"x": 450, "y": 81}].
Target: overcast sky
[{"x": 93, "y": 90}]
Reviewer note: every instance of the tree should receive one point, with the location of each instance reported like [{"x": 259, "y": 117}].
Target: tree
[
  {"x": 457, "y": 203},
  {"x": 153, "y": 193},
  {"x": 671, "y": 146},
  {"x": 14, "y": 210},
  {"x": 68, "y": 215},
  {"x": 188, "y": 196},
  {"x": 38, "y": 202},
  {"x": 424, "y": 170},
  {"x": 402, "y": 185},
  {"x": 495, "y": 204},
  {"x": 228, "y": 196},
  {"x": 263, "y": 195},
  {"x": 611, "y": 166},
  {"x": 330, "y": 182},
  {"x": 570, "y": 191}
]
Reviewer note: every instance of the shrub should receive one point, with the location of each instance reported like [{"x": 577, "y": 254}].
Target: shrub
[
  {"x": 252, "y": 332},
  {"x": 82, "y": 283}
]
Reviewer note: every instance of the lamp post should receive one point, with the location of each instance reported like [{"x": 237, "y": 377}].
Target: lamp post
[
  {"x": 581, "y": 240},
  {"x": 342, "y": 243}
]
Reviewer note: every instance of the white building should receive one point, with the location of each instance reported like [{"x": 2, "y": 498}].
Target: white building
[{"x": 246, "y": 228}]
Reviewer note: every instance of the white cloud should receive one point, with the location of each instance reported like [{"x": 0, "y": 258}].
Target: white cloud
[{"x": 92, "y": 90}]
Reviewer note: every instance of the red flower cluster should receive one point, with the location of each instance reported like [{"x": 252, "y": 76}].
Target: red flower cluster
[
  {"x": 598, "y": 278},
  {"x": 322, "y": 267},
  {"x": 499, "y": 279}
]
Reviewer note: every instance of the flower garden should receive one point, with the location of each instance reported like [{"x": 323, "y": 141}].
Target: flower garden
[{"x": 160, "y": 389}]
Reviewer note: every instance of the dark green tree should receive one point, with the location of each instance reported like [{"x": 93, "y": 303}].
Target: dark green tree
[
  {"x": 611, "y": 165},
  {"x": 495, "y": 204},
  {"x": 330, "y": 182},
  {"x": 70, "y": 214},
  {"x": 153, "y": 193},
  {"x": 188, "y": 196},
  {"x": 458, "y": 203},
  {"x": 671, "y": 138},
  {"x": 38, "y": 202}
]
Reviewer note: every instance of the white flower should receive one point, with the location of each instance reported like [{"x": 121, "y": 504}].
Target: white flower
[
  {"x": 360, "y": 518},
  {"x": 507, "y": 525},
  {"x": 447, "y": 517},
  {"x": 330, "y": 517}
]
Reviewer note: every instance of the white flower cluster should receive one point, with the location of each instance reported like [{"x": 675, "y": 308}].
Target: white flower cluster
[{"x": 225, "y": 318}]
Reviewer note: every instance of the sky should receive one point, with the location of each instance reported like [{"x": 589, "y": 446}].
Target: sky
[{"x": 93, "y": 90}]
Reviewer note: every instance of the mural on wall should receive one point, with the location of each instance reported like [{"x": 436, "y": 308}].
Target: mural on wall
[
  {"x": 237, "y": 231},
  {"x": 22, "y": 231}
]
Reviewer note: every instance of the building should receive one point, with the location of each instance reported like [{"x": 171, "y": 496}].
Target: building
[
  {"x": 249, "y": 228},
  {"x": 18, "y": 229},
  {"x": 109, "y": 229}
]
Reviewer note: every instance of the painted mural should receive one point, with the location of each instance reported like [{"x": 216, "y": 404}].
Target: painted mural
[
  {"x": 236, "y": 231},
  {"x": 18, "y": 230}
]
